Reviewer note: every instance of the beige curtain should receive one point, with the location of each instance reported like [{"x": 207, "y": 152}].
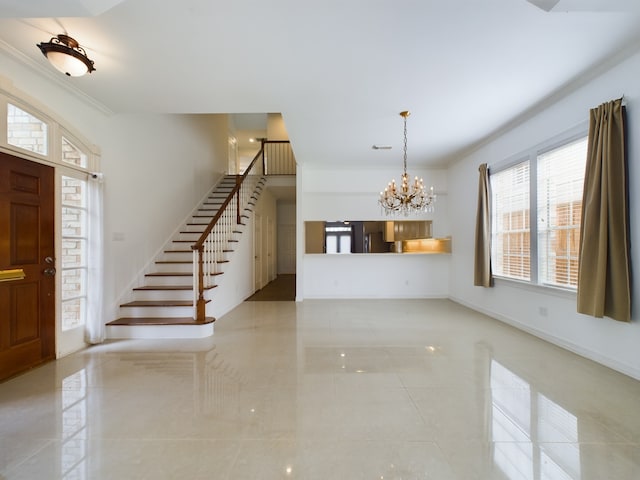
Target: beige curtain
[
  {"x": 604, "y": 275},
  {"x": 482, "y": 265}
]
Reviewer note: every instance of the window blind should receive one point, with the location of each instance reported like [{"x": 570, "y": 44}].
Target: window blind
[
  {"x": 560, "y": 184},
  {"x": 510, "y": 246}
]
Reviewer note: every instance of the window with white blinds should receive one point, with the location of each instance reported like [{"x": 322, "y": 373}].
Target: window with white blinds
[
  {"x": 536, "y": 205},
  {"x": 560, "y": 184},
  {"x": 510, "y": 232}
]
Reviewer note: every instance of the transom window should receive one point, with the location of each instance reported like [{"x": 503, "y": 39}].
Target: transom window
[
  {"x": 72, "y": 154},
  {"x": 536, "y": 207},
  {"x": 26, "y": 131}
]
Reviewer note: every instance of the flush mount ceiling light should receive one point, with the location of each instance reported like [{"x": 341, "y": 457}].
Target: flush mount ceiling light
[
  {"x": 66, "y": 55},
  {"x": 407, "y": 197}
]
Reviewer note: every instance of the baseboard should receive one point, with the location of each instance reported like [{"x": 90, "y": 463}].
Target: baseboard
[
  {"x": 370, "y": 297},
  {"x": 572, "y": 347}
]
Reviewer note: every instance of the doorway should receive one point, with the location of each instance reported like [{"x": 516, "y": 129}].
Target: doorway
[
  {"x": 257, "y": 253},
  {"x": 27, "y": 294}
]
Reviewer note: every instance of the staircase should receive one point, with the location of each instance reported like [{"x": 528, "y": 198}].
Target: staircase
[{"x": 163, "y": 307}]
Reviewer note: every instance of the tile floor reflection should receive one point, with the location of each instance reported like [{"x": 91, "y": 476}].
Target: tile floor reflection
[{"x": 375, "y": 389}]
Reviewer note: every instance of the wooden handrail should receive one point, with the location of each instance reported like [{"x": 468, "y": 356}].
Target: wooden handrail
[
  {"x": 199, "y": 244},
  {"x": 239, "y": 179}
]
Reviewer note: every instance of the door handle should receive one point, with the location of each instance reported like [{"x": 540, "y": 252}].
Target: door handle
[{"x": 49, "y": 271}]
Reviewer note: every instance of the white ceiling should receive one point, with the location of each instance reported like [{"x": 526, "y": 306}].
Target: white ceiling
[{"x": 339, "y": 71}]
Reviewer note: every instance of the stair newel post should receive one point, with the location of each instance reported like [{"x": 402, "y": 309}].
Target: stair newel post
[{"x": 200, "y": 302}]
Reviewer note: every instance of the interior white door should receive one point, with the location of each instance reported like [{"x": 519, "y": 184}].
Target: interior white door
[{"x": 257, "y": 252}]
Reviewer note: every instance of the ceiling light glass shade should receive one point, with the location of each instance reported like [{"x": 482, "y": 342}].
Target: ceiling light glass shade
[
  {"x": 67, "y": 56},
  {"x": 408, "y": 197}
]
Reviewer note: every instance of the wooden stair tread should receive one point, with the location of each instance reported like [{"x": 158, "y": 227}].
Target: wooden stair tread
[
  {"x": 160, "y": 321},
  {"x": 175, "y": 274},
  {"x": 159, "y": 303},
  {"x": 170, "y": 287},
  {"x": 179, "y": 262},
  {"x": 169, "y": 274}
]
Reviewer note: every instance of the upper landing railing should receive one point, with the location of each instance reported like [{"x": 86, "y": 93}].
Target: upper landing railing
[{"x": 278, "y": 158}]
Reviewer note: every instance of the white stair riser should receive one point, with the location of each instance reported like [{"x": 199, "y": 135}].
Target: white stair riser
[
  {"x": 177, "y": 257},
  {"x": 160, "y": 331},
  {"x": 173, "y": 267},
  {"x": 170, "y": 280},
  {"x": 192, "y": 237},
  {"x": 160, "y": 312},
  {"x": 196, "y": 228},
  {"x": 162, "y": 295}
]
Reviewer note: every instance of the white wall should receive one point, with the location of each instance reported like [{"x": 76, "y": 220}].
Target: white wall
[
  {"x": 276, "y": 129},
  {"x": 612, "y": 343},
  {"x": 347, "y": 194}
]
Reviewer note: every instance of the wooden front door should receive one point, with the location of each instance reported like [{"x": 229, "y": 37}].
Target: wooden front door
[{"x": 27, "y": 306}]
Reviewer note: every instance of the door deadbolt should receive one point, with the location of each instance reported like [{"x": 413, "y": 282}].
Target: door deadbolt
[{"x": 50, "y": 271}]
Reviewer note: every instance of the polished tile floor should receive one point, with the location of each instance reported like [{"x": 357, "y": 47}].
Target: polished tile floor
[{"x": 375, "y": 389}]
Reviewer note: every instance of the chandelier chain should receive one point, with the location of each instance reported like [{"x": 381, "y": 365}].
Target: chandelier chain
[{"x": 405, "y": 145}]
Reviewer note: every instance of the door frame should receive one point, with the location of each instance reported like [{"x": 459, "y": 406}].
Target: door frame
[{"x": 66, "y": 342}]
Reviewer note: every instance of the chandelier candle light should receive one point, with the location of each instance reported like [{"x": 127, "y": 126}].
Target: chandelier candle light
[{"x": 407, "y": 198}]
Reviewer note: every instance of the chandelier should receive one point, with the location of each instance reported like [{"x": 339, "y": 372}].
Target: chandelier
[{"x": 407, "y": 197}]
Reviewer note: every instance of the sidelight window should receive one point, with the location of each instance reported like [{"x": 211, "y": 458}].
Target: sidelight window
[{"x": 74, "y": 252}]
